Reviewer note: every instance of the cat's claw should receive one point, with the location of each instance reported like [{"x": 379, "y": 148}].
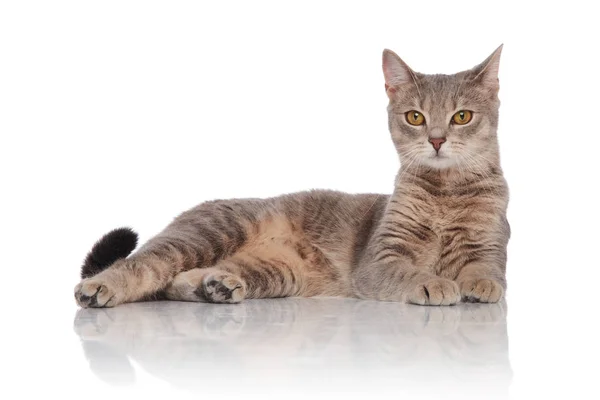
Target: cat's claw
[{"x": 91, "y": 293}]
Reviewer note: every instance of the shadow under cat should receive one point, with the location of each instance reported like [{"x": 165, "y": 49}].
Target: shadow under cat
[{"x": 303, "y": 344}]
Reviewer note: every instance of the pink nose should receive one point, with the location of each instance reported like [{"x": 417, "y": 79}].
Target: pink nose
[{"x": 437, "y": 143}]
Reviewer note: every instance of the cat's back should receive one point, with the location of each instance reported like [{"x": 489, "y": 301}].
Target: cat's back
[
  {"x": 324, "y": 216},
  {"x": 322, "y": 213}
]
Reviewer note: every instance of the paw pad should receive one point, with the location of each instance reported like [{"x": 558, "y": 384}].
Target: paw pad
[{"x": 222, "y": 288}]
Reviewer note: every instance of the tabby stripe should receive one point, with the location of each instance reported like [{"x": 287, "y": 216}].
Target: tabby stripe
[
  {"x": 411, "y": 219},
  {"x": 396, "y": 249},
  {"x": 391, "y": 235},
  {"x": 397, "y": 228}
]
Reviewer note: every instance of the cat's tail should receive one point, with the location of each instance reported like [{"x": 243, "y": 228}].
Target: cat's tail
[{"x": 116, "y": 244}]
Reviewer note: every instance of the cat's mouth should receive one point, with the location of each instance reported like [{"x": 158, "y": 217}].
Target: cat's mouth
[{"x": 439, "y": 156}]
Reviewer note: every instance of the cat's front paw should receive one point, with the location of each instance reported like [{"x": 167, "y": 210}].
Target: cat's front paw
[
  {"x": 94, "y": 293},
  {"x": 481, "y": 290},
  {"x": 435, "y": 292}
]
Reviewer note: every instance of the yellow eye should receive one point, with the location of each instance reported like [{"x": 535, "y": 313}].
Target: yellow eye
[
  {"x": 415, "y": 118},
  {"x": 462, "y": 117}
]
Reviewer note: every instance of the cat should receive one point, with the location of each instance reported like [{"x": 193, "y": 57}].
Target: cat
[{"x": 439, "y": 238}]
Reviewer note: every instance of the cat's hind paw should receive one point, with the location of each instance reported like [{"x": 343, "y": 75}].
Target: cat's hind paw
[
  {"x": 93, "y": 293},
  {"x": 222, "y": 287}
]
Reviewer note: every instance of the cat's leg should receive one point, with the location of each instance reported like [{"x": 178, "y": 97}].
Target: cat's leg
[
  {"x": 396, "y": 266},
  {"x": 399, "y": 281},
  {"x": 128, "y": 280},
  {"x": 133, "y": 279},
  {"x": 279, "y": 261},
  {"x": 481, "y": 283},
  {"x": 242, "y": 276},
  {"x": 199, "y": 238}
]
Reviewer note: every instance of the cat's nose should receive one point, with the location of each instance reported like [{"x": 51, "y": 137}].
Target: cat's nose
[{"x": 437, "y": 143}]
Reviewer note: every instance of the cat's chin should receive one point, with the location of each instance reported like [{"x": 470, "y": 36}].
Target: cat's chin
[{"x": 439, "y": 162}]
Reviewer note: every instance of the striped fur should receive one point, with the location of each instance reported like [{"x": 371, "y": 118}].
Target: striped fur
[{"x": 439, "y": 237}]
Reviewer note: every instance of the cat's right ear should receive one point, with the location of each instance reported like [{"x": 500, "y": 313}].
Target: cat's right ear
[{"x": 395, "y": 71}]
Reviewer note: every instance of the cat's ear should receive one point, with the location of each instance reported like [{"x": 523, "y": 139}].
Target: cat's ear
[
  {"x": 486, "y": 73},
  {"x": 395, "y": 71}
]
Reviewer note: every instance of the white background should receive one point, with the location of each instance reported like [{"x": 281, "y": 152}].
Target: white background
[{"x": 120, "y": 113}]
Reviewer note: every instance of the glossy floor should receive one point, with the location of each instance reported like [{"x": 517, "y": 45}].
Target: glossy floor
[{"x": 296, "y": 346}]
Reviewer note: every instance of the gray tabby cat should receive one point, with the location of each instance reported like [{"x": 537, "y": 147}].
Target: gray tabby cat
[{"x": 441, "y": 236}]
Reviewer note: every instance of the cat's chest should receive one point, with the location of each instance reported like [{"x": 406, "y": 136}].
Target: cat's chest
[
  {"x": 456, "y": 225},
  {"x": 444, "y": 213}
]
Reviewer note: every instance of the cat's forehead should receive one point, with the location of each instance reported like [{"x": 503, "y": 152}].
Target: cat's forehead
[
  {"x": 440, "y": 83},
  {"x": 441, "y": 92}
]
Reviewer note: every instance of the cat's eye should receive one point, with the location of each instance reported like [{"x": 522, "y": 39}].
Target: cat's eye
[
  {"x": 415, "y": 118},
  {"x": 462, "y": 117}
]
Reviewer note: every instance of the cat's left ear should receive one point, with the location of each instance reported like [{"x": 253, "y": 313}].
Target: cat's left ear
[{"x": 487, "y": 72}]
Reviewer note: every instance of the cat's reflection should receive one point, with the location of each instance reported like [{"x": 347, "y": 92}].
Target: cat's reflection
[{"x": 187, "y": 343}]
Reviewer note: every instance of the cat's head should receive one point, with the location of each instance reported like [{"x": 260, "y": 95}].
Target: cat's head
[{"x": 443, "y": 121}]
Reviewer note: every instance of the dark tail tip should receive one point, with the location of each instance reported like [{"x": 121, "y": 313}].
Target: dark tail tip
[{"x": 116, "y": 244}]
